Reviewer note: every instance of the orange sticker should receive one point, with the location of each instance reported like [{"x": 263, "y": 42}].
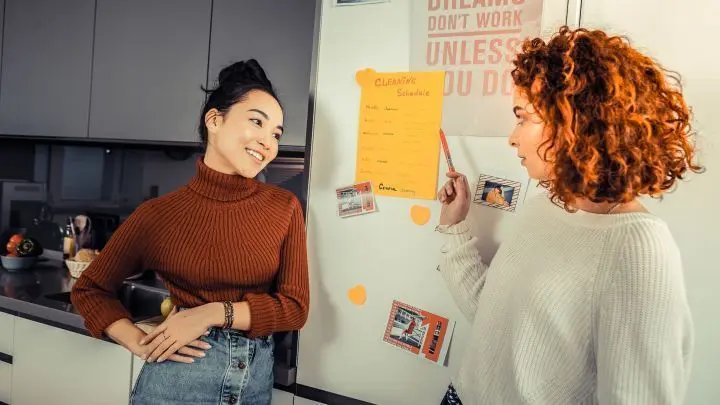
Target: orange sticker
[
  {"x": 420, "y": 214},
  {"x": 357, "y": 295}
]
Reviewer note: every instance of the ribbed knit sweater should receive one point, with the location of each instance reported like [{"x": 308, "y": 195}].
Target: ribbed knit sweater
[
  {"x": 575, "y": 308},
  {"x": 218, "y": 238}
]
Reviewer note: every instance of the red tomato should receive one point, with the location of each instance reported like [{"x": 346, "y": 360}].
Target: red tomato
[
  {"x": 16, "y": 239},
  {"x": 11, "y": 248}
]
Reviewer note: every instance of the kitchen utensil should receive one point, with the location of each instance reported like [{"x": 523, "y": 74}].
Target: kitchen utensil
[{"x": 84, "y": 233}]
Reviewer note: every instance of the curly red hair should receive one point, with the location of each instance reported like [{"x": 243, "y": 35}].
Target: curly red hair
[{"x": 616, "y": 125}]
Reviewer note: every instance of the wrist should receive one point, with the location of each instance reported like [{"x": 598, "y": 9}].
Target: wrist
[{"x": 215, "y": 314}]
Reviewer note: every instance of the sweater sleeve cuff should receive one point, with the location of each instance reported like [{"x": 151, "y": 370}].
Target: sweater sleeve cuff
[
  {"x": 262, "y": 314},
  {"x": 110, "y": 314},
  {"x": 453, "y": 235}
]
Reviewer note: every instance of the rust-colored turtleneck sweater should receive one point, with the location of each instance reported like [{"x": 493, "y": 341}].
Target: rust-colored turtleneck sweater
[{"x": 218, "y": 238}]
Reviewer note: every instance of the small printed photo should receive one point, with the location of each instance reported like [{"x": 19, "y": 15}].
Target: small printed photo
[
  {"x": 357, "y": 2},
  {"x": 497, "y": 192},
  {"x": 419, "y": 332},
  {"x": 356, "y": 199},
  {"x": 407, "y": 328}
]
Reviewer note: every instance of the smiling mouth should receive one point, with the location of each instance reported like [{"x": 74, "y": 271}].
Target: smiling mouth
[{"x": 257, "y": 155}]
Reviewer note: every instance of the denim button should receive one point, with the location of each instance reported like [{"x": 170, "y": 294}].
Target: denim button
[
  {"x": 233, "y": 399},
  {"x": 242, "y": 365}
]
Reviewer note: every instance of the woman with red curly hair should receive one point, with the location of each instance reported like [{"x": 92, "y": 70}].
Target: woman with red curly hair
[{"x": 586, "y": 303}]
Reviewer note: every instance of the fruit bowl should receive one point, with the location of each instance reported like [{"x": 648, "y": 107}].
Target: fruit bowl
[{"x": 14, "y": 263}]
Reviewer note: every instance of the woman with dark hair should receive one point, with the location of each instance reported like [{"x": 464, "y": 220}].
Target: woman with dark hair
[
  {"x": 585, "y": 303},
  {"x": 231, "y": 251}
]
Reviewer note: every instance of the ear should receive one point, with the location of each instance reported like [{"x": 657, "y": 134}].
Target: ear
[{"x": 213, "y": 120}]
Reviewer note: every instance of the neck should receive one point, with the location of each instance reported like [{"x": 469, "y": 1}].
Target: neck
[
  {"x": 220, "y": 186},
  {"x": 609, "y": 208},
  {"x": 586, "y": 205},
  {"x": 216, "y": 162}
]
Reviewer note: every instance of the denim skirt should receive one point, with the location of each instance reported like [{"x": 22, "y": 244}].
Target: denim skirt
[{"x": 235, "y": 370}]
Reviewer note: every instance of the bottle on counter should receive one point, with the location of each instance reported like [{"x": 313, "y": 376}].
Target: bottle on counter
[{"x": 69, "y": 245}]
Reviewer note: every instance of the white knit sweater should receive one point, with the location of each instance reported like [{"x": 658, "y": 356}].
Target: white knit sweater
[{"x": 575, "y": 309}]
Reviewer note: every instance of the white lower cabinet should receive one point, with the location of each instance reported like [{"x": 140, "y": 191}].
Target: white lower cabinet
[
  {"x": 282, "y": 398},
  {"x": 5, "y": 382},
  {"x": 54, "y": 366},
  {"x": 7, "y": 328}
]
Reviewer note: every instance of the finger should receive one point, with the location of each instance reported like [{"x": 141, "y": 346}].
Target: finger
[
  {"x": 454, "y": 175},
  {"x": 154, "y": 333},
  {"x": 155, "y": 354},
  {"x": 181, "y": 359},
  {"x": 153, "y": 344},
  {"x": 449, "y": 189},
  {"x": 173, "y": 312},
  {"x": 441, "y": 194},
  {"x": 199, "y": 344},
  {"x": 170, "y": 351},
  {"x": 461, "y": 185},
  {"x": 190, "y": 352}
]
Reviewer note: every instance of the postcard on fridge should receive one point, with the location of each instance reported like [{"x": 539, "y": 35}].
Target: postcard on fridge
[
  {"x": 497, "y": 192},
  {"x": 419, "y": 332},
  {"x": 356, "y": 200}
]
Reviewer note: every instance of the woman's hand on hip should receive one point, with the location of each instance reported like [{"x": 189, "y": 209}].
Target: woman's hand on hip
[
  {"x": 455, "y": 199},
  {"x": 179, "y": 333},
  {"x": 129, "y": 336}
]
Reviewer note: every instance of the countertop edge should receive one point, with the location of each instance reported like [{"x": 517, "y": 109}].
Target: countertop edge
[{"x": 45, "y": 315}]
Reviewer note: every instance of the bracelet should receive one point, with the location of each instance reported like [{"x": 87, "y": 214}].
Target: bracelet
[{"x": 229, "y": 314}]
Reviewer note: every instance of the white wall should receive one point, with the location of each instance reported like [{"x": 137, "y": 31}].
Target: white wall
[{"x": 679, "y": 35}]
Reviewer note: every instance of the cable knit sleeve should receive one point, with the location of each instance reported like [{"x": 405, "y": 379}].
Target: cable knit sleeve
[
  {"x": 644, "y": 328},
  {"x": 462, "y": 267},
  {"x": 286, "y": 308}
]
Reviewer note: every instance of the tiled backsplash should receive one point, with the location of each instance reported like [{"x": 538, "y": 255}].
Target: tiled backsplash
[{"x": 112, "y": 180}]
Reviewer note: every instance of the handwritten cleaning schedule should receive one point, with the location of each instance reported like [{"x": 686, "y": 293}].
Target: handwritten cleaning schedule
[{"x": 398, "y": 144}]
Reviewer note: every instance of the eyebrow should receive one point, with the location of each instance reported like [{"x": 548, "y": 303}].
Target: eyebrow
[{"x": 267, "y": 117}]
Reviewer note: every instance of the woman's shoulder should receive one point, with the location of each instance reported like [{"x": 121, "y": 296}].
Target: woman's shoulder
[{"x": 280, "y": 197}]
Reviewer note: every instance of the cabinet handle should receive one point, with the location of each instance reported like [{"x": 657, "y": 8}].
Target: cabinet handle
[{"x": 5, "y": 358}]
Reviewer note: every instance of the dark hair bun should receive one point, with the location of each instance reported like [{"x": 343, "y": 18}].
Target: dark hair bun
[{"x": 243, "y": 73}]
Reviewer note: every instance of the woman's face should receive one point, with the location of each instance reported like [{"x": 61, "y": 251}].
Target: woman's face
[
  {"x": 527, "y": 136},
  {"x": 247, "y": 136}
]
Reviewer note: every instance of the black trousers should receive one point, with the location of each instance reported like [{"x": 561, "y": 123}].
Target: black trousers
[{"x": 451, "y": 397}]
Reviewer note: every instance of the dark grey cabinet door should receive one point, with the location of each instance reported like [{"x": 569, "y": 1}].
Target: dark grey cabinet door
[
  {"x": 279, "y": 34},
  {"x": 46, "y": 67},
  {"x": 2, "y": 21},
  {"x": 150, "y": 60}
]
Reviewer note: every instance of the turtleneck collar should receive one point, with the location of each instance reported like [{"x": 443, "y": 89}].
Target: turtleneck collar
[{"x": 220, "y": 186}]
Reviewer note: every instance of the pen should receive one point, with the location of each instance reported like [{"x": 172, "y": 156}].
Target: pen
[{"x": 446, "y": 150}]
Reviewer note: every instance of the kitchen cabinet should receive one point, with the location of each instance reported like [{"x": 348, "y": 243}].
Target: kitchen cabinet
[
  {"x": 7, "y": 328},
  {"x": 149, "y": 64},
  {"x": 54, "y": 366},
  {"x": 282, "y": 398},
  {"x": 303, "y": 401},
  {"x": 2, "y": 23},
  {"x": 279, "y": 35},
  {"x": 46, "y": 67}
]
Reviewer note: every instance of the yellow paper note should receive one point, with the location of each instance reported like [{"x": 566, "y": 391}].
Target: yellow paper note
[{"x": 398, "y": 141}]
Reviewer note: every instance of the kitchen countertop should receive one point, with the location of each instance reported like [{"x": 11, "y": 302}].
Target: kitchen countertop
[{"x": 24, "y": 293}]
